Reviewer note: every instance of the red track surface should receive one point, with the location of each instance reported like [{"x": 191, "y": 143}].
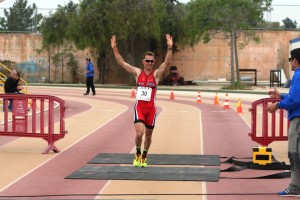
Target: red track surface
[{"x": 225, "y": 133}]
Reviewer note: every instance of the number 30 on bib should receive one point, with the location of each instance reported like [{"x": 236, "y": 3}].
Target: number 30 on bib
[{"x": 144, "y": 93}]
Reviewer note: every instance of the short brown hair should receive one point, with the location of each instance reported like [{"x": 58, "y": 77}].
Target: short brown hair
[{"x": 149, "y": 53}]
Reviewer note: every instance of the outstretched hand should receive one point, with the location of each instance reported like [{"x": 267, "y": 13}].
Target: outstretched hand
[
  {"x": 113, "y": 42},
  {"x": 274, "y": 94},
  {"x": 169, "y": 40}
]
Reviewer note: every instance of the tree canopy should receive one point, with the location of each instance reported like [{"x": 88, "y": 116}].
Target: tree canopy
[
  {"x": 21, "y": 18},
  {"x": 55, "y": 27},
  {"x": 203, "y": 16},
  {"x": 92, "y": 23},
  {"x": 223, "y": 18},
  {"x": 142, "y": 24},
  {"x": 289, "y": 24}
]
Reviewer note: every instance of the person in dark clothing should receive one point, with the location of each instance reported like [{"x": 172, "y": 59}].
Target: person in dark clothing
[
  {"x": 89, "y": 77},
  {"x": 11, "y": 86}
]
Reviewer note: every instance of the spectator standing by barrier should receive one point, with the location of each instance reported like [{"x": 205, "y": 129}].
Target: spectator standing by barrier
[
  {"x": 11, "y": 86},
  {"x": 291, "y": 103},
  {"x": 144, "y": 110},
  {"x": 89, "y": 77}
]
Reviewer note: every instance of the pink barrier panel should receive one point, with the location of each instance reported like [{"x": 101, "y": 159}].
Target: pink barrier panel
[
  {"x": 268, "y": 127},
  {"x": 34, "y": 116}
]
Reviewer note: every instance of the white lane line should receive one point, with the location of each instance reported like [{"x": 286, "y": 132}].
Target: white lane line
[
  {"x": 43, "y": 163},
  {"x": 204, "y": 189}
]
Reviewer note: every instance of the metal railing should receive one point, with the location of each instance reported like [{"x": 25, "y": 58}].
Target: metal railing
[{"x": 3, "y": 77}]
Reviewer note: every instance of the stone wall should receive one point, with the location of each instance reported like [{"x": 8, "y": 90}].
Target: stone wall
[
  {"x": 212, "y": 60},
  {"x": 202, "y": 62},
  {"x": 23, "y": 49}
]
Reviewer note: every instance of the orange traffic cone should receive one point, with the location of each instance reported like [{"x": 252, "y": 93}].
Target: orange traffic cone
[
  {"x": 239, "y": 106},
  {"x": 226, "y": 102},
  {"x": 172, "y": 95},
  {"x": 198, "y": 97},
  {"x": 216, "y": 102},
  {"x": 133, "y": 93}
]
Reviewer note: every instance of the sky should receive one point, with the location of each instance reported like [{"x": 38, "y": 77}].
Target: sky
[{"x": 281, "y": 8}]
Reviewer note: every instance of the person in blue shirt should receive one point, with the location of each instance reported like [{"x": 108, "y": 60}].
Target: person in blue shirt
[
  {"x": 291, "y": 103},
  {"x": 89, "y": 77}
]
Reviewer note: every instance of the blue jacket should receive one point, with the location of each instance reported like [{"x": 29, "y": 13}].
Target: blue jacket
[
  {"x": 90, "y": 69},
  {"x": 291, "y": 101}
]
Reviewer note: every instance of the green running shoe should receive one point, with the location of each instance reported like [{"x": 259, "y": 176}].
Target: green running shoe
[
  {"x": 137, "y": 160},
  {"x": 143, "y": 162}
]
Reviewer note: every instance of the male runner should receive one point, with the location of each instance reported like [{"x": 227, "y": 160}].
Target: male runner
[{"x": 144, "y": 109}]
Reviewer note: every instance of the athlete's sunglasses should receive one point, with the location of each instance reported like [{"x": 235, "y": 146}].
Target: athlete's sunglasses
[{"x": 149, "y": 61}]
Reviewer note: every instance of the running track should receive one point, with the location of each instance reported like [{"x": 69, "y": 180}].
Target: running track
[{"x": 103, "y": 124}]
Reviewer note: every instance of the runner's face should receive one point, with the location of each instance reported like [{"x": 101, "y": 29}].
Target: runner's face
[{"x": 148, "y": 62}]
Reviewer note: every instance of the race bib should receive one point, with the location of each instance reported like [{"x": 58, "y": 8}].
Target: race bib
[{"x": 144, "y": 93}]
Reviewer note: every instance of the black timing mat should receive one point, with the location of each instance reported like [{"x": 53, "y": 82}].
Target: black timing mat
[
  {"x": 148, "y": 173},
  {"x": 158, "y": 159}
]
